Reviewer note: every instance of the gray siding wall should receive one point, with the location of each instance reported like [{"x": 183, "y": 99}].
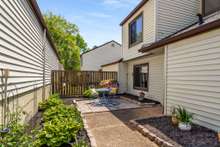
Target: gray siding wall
[
  {"x": 174, "y": 15},
  {"x": 193, "y": 77},
  {"x": 21, "y": 47}
]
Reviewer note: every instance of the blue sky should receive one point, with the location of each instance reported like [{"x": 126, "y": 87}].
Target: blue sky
[{"x": 98, "y": 20}]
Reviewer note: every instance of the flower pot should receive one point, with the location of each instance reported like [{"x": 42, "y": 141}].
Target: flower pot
[
  {"x": 184, "y": 126},
  {"x": 140, "y": 98},
  {"x": 174, "y": 120}
]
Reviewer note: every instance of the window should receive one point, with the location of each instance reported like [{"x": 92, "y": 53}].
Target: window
[
  {"x": 140, "y": 76},
  {"x": 136, "y": 31},
  {"x": 210, "y": 6}
]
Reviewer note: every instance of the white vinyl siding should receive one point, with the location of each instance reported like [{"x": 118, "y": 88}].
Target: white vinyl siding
[
  {"x": 149, "y": 33},
  {"x": 174, "y": 15},
  {"x": 21, "y": 47},
  {"x": 156, "y": 78},
  {"x": 108, "y": 53},
  {"x": 193, "y": 77}
]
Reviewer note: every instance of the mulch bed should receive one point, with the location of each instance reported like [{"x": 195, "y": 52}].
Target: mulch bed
[
  {"x": 133, "y": 97},
  {"x": 198, "y": 137}
]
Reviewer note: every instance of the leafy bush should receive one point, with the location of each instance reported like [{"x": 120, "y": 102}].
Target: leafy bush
[
  {"x": 17, "y": 135},
  {"x": 61, "y": 123},
  {"x": 90, "y": 93},
  {"x": 183, "y": 115},
  {"x": 53, "y": 100},
  {"x": 57, "y": 132},
  {"x": 62, "y": 111}
]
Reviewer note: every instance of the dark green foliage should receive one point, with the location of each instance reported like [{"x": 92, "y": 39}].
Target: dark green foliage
[
  {"x": 67, "y": 39},
  {"x": 183, "y": 115}
]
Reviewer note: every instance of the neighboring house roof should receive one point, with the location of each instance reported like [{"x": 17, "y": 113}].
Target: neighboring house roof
[
  {"x": 210, "y": 23},
  {"x": 37, "y": 12},
  {"x": 134, "y": 11},
  {"x": 112, "y": 63},
  {"x": 101, "y": 46}
]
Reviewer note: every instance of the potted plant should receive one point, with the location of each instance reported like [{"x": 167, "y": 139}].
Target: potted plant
[
  {"x": 174, "y": 118},
  {"x": 185, "y": 119},
  {"x": 141, "y": 96}
]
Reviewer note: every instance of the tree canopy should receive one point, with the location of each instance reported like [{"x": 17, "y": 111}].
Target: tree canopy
[{"x": 67, "y": 39}]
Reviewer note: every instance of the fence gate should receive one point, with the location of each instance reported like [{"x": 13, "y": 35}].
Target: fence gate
[{"x": 74, "y": 83}]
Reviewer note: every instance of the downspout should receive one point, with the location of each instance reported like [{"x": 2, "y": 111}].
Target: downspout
[
  {"x": 44, "y": 62},
  {"x": 165, "y": 80}
]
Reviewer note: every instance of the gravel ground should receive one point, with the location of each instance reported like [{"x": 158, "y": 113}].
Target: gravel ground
[{"x": 198, "y": 137}]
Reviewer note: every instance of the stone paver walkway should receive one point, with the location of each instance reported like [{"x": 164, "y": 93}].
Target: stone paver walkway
[{"x": 111, "y": 129}]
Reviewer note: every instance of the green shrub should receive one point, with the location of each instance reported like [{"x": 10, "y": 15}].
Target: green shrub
[
  {"x": 61, "y": 123},
  {"x": 57, "y": 132},
  {"x": 90, "y": 93},
  {"x": 183, "y": 115},
  {"x": 53, "y": 100},
  {"x": 62, "y": 111},
  {"x": 17, "y": 135}
]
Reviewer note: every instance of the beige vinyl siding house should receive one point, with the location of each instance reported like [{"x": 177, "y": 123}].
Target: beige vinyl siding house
[
  {"x": 103, "y": 54},
  {"x": 114, "y": 66},
  {"x": 185, "y": 72},
  {"x": 157, "y": 24},
  {"x": 174, "y": 15},
  {"x": 149, "y": 30},
  {"x": 23, "y": 49},
  {"x": 193, "y": 77},
  {"x": 192, "y": 71}
]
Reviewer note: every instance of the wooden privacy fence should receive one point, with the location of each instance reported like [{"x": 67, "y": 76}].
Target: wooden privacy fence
[{"x": 74, "y": 83}]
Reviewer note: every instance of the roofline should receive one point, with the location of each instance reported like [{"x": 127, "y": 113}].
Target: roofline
[
  {"x": 201, "y": 29},
  {"x": 40, "y": 17},
  {"x": 101, "y": 46},
  {"x": 143, "y": 2},
  {"x": 112, "y": 63}
]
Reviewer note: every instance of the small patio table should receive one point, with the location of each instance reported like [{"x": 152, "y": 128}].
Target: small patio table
[
  {"x": 104, "y": 91},
  {"x": 104, "y": 100}
]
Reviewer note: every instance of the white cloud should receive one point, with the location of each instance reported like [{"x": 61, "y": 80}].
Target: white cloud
[
  {"x": 99, "y": 15},
  {"x": 120, "y": 3}
]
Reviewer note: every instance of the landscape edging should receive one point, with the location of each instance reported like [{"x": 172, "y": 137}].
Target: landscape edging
[
  {"x": 147, "y": 133},
  {"x": 86, "y": 127}
]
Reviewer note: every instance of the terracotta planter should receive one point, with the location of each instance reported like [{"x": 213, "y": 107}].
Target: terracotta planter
[{"x": 174, "y": 120}]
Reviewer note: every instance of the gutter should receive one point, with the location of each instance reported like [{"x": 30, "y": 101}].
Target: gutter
[
  {"x": 199, "y": 30},
  {"x": 112, "y": 63}
]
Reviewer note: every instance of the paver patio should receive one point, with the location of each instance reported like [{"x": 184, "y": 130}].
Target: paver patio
[{"x": 110, "y": 127}]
